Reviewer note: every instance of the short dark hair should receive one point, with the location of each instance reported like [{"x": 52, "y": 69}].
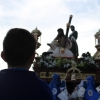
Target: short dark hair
[
  {"x": 18, "y": 46},
  {"x": 72, "y": 26}
]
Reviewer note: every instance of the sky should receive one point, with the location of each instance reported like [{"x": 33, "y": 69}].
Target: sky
[{"x": 48, "y": 16}]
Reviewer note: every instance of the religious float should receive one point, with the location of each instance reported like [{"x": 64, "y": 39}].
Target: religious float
[{"x": 69, "y": 67}]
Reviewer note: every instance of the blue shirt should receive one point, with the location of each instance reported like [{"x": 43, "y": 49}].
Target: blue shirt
[{"x": 23, "y": 85}]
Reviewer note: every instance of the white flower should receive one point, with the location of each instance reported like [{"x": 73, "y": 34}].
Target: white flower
[
  {"x": 45, "y": 63},
  {"x": 50, "y": 62},
  {"x": 65, "y": 65},
  {"x": 48, "y": 57},
  {"x": 68, "y": 65},
  {"x": 90, "y": 59},
  {"x": 73, "y": 63},
  {"x": 54, "y": 63},
  {"x": 49, "y": 66},
  {"x": 92, "y": 62},
  {"x": 97, "y": 65},
  {"x": 41, "y": 60},
  {"x": 86, "y": 58}
]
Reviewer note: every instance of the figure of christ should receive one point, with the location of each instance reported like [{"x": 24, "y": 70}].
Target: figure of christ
[{"x": 56, "y": 46}]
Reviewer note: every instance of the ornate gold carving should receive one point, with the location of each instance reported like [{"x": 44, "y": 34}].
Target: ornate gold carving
[
  {"x": 43, "y": 75},
  {"x": 74, "y": 67},
  {"x": 83, "y": 75},
  {"x": 63, "y": 75}
]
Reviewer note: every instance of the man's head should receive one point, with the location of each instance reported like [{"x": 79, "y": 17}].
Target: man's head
[
  {"x": 72, "y": 28},
  {"x": 60, "y": 32},
  {"x": 18, "y": 47}
]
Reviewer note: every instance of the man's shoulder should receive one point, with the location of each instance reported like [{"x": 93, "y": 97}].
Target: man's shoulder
[
  {"x": 29, "y": 80},
  {"x": 46, "y": 89},
  {"x": 44, "y": 85},
  {"x": 75, "y": 32}
]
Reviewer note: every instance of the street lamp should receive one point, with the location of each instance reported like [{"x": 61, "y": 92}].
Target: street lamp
[
  {"x": 97, "y": 45},
  {"x": 36, "y": 33},
  {"x": 97, "y": 40}
]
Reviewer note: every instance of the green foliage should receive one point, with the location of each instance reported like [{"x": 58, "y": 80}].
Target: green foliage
[
  {"x": 84, "y": 63},
  {"x": 60, "y": 61}
]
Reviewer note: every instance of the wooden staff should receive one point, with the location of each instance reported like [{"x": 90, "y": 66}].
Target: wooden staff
[{"x": 67, "y": 30}]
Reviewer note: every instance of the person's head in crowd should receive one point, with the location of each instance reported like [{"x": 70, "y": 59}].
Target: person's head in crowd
[
  {"x": 81, "y": 84},
  {"x": 55, "y": 85},
  {"x": 91, "y": 92},
  {"x": 90, "y": 79},
  {"x": 18, "y": 48},
  {"x": 56, "y": 79},
  {"x": 72, "y": 28},
  {"x": 60, "y": 32}
]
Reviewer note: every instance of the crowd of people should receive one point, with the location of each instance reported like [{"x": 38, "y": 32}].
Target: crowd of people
[
  {"x": 18, "y": 83},
  {"x": 85, "y": 90}
]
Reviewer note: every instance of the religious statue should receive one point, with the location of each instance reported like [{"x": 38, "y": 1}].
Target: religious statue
[
  {"x": 64, "y": 46},
  {"x": 57, "y": 45},
  {"x": 73, "y": 37},
  {"x": 61, "y": 44}
]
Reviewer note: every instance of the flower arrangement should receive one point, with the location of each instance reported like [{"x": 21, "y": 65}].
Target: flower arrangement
[{"x": 86, "y": 62}]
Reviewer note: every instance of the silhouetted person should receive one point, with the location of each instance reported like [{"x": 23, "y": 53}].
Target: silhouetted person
[{"x": 17, "y": 82}]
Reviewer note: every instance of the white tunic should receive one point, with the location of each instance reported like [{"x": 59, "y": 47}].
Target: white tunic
[{"x": 56, "y": 50}]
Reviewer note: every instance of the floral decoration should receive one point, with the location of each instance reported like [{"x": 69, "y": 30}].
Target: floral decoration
[{"x": 86, "y": 62}]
